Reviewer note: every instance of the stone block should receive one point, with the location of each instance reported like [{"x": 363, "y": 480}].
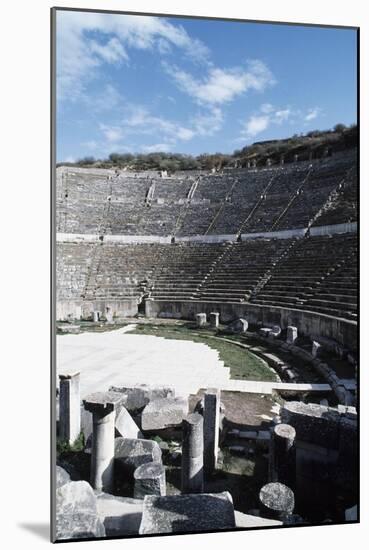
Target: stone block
[
  {"x": 313, "y": 423},
  {"x": 137, "y": 397},
  {"x": 132, "y": 453},
  {"x": 214, "y": 319},
  {"x": 62, "y": 477},
  {"x": 149, "y": 480},
  {"x": 125, "y": 426},
  {"x": 238, "y": 326},
  {"x": 275, "y": 332},
  {"x": 187, "y": 513},
  {"x": 291, "y": 334},
  {"x": 164, "y": 413},
  {"x": 201, "y": 319},
  {"x": 121, "y": 516},
  {"x": 76, "y": 512}
]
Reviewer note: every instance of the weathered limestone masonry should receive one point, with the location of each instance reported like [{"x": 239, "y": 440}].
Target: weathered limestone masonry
[
  {"x": 192, "y": 454},
  {"x": 201, "y": 319},
  {"x": 342, "y": 330},
  {"x": 102, "y": 406},
  {"x": 187, "y": 513},
  {"x": 291, "y": 334},
  {"x": 326, "y": 448},
  {"x": 164, "y": 413},
  {"x": 283, "y": 455},
  {"x": 211, "y": 429},
  {"x": 149, "y": 480},
  {"x": 276, "y": 501},
  {"x": 214, "y": 319},
  {"x": 70, "y": 404}
]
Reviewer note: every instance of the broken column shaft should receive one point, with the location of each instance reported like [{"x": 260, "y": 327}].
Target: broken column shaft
[
  {"x": 277, "y": 501},
  {"x": 193, "y": 454},
  {"x": 102, "y": 406},
  {"x": 69, "y": 407},
  {"x": 283, "y": 455}
]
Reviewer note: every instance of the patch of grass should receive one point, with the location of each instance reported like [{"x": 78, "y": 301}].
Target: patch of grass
[{"x": 243, "y": 364}]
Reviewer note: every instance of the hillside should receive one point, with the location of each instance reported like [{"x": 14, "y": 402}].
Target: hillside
[{"x": 315, "y": 144}]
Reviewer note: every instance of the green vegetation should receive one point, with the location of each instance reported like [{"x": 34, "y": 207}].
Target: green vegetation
[
  {"x": 243, "y": 364},
  {"x": 63, "y": 446},
  {"x": 317, "y": 143}
]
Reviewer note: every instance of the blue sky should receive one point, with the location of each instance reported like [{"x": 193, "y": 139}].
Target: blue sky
[{"x": 143, "y": 84}]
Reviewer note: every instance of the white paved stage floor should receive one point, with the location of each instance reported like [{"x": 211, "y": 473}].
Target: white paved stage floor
[{"x": 119, "y": 358}]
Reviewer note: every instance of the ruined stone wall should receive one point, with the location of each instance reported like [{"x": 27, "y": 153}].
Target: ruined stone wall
[{"x": 308, "y": 323}]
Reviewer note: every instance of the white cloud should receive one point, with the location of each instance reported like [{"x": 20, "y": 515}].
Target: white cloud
[
  {"x": 144, "y": 123},
  {"x": 222, "y": 85},
  {"x": 267, "y": 115},
  {"x": 85, "y": 40},
  {"x": 256, "y": 124},
  {"x": 282, "y": 115},
  {"x": 111, "y": 52},
  {"x": 111, "y": 133},
  {"x": 209, "y": 123},
  {"x": 156, "y": 147},
  {"x": 312, "y": 114},
  {"x": 266, "y": 108}
]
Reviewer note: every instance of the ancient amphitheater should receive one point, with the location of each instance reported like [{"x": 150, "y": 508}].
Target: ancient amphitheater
[
  {"x": 277, "y": 245},
  {"x": 268, "y": 254}
]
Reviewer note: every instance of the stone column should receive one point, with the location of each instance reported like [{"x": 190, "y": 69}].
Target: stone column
[
  {"x": 69, "y": 407},
  {"x": 95, "y": 316},
  {"x": 277, "y": 501},
  {"x": 193, "y": 454},
  {"x": 283, "y": 455},
  {"x": 149, "y": 480},
  {"x": 291, "y": 334},
  {"x": 102, "y": 406},
  {"x": 211, "y": 429},
  {"x": 214, "y": 319},
  {"x": 201, "y": 319}
]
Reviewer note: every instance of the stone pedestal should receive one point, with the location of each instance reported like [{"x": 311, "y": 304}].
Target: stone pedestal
[
  {"x": 149, "y": 480},
  {"x": 109, "y": 315},
  {"x": 193, "y": 454},
  {"x": 211, "y": 429},
  {"x": 69, "y": 407},
  {"x": 95, "y": 316},
  {"x": 214, "y": 319},
  {"x": 291, "y": 334},
  {"x": 201, "y": 319},
  {"x": 102, "y": 406},
  {"x": 315, "y": 349},
  {"x": 277, "y": 501},
  {"x": 283, "y": 455}
]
